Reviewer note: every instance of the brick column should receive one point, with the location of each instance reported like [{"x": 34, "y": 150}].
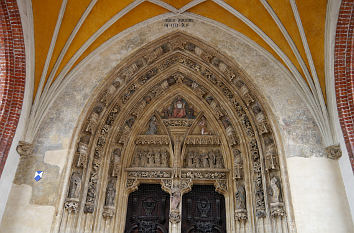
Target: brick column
[
  {"x": 344, "y": 73},
  {"x": 12, "y": 74}
]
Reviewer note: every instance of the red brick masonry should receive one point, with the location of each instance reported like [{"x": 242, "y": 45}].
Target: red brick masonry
[
  {"x": 12, "y": 74},
  {"x": 344, "y": 73}
]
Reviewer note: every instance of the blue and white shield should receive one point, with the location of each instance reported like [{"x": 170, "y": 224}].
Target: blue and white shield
[{"x": 38, "y": 175}]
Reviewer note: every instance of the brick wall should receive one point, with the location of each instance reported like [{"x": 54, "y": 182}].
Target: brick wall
[
  {"x": 12, "y": 74},
  {"x": 344, "y": 73}
]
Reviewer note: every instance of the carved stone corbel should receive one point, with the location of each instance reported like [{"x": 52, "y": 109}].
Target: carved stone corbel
[
  {"x": 132, "y": 185},
  {"x": 220, "y": 186},
  {"x": 108, "y": 212},
  {"x": 277, "y": 209},
  {"x": 24, "y": 149},
  {"x": 334, "y": 152},
  {"x": 71, "y": 205}
]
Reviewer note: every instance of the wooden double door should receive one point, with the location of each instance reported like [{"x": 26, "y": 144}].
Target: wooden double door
[{"x": 203, "y": 210}]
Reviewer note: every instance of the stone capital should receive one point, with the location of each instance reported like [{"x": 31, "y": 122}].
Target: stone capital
[
  {"x": 24, "y": 149},
  {"x": 334, "y": 152}
]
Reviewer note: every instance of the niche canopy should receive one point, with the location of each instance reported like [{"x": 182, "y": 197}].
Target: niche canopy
[{"x": 177, "y": 113}]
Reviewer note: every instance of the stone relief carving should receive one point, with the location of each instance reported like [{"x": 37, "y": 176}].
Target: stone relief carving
[
  {"x": 204, "y": 159},
  {"x": 203, "y": 140},
  {"x": 203, "y": 175},
  {"x": 110, "y": 193},
  {"x": 151, "y": 158},
  {"x": 149, "y": 174},
  {"x": 24, "y": 148},
  {"x": 152, "y": 140},
  {"x": 116, "y": 162}
]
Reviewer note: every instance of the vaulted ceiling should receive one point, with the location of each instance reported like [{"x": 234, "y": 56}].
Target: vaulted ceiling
[{"x": 66, "y": 31}]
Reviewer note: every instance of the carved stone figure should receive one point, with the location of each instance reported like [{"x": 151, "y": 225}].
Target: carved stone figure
[
  {"x": 92, "y": 123},
  {"x": 152, "y": 126},
  {"x": 197, "y": 160},
  {"x": 275, "y": 190},
  {"x": 164, "y": 158},
  {"x": 205, "y": 160},
  {"x": 219, "y": 160},
  {"x": 150, "y": 156},
  {"x": 190, "y": 157},
  {"x": 158, "y": 158},
  {"x": 240, "y": 196},
  {"x": 211, "y": 155},
  {"x": 176, "y": 195},
  {"x": 75, "y": 185},
  {"x": 238, "y": 164},
  {"x": 116, "y": 162},
  {"x": 110, "y": 194},
  {"x": 271, "y": 158},
  {"x": 136, "y": 159},
  {"x": 143, "y": 159},
  {"x": 334, "y": 152},
  {"x": 203, "y": 126}
]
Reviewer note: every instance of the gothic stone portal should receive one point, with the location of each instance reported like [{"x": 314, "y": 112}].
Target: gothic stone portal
[{"x": 176, "y": 113}]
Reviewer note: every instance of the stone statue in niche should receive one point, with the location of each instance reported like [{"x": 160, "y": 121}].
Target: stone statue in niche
[
  {"x": 116, "y": 162},
  {"x": 143, "y": 159},
  {"x": 110, "y": 194},
  {"x": 238, "y": 164},
  {"x": 271, "y": 158},
  {"x": 203, "y": 126},
  {"x": 205, "y": 160},
  {"x": 152, "y": 126},
  {"x": 75, "y": 185},
  {"x": 158, "y": 158},
  {"x": 275, "y": 190},
  {"x": 240, "y": 196}
]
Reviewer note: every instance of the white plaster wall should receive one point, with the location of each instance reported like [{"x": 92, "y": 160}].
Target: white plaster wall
[
  {"x": 318, "y": 196},
  {"x": 24, "y": 217}
]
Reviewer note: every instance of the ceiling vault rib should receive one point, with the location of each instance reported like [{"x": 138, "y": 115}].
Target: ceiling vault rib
[
  {"x": 164, "y": 5},
  {"x": 67, "y": 45},
  {"x": 52, "y": 90},
  {"x": 190, "y": 5},
  {"x": 49, "y": 56},
  {"x": 291, "y": 44},
  {"x": 307, "y": 94},
  {"x": 312, "y": 68}
]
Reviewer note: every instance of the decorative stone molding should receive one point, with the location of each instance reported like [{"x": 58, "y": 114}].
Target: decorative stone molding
[
  {"x": 24, "y": 149},
  {"x": 108, "y": 212},
  {"x": 152, "y": 140},
  {"x": 203, "y": 140},
  {"x": 334, "y": 152},
  {"x": 221, "y": 186}
]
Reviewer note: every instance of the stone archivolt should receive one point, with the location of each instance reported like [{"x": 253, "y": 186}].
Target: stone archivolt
[{"x": 197, "y": 88}]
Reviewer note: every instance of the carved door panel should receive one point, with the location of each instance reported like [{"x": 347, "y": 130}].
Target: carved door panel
[
  {"x": 203, "y": 211},
  {"x": 148, "y": 210}
]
